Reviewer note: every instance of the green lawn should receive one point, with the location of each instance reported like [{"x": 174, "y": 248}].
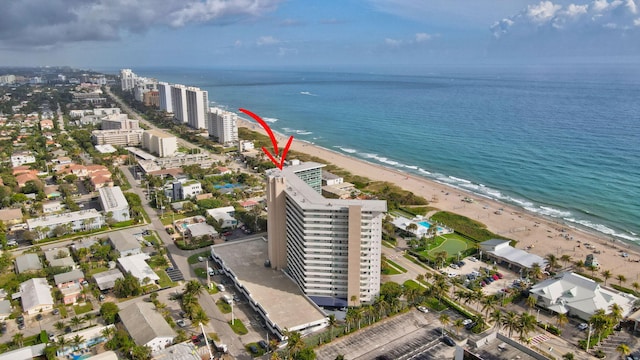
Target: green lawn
[
  {"x": 96, "y": 269},
  {"x": 201, "y": 272},
  {"x": 395, "y": 265},
  {"x": 451, "y": 243},
  {"x": 223, "y": 306},
  {"x": 164, "y": 281},
  {"x": 238, "y": 327},
  {"x": 194, "y": 258},
  {"x": 390, "y": 271},
  {"x": 81, "y": 309}
]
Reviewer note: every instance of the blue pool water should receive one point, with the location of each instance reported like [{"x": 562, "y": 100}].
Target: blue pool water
[{"x": 425, "y": 224}]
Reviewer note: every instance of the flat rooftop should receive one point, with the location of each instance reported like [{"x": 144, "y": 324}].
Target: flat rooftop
[{"x": 280, "y": 297}]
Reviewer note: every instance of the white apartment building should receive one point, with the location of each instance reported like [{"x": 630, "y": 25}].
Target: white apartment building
[
  {"x": 7, "y": 79},
  {"x": 164, "y": 90},
  {"x": 113, "y": 201},
  {"x": 127, "y": 79},
  {"x": 131, "y": 137},
  {"x": 330, "y": 247},
  {"x": 160, "y": 143},
  {"x": 77, "y": 221},
  {"x": 22, "y": 157},
  {"x": 179, "y": 102},
  {"x": 223, "y": 126},
  {"x": 197, "y": 107},
  {"x": 104, "y": 111},
  {"x": 187, "y": 189},
  {"x": 119, "y": 122},
  {"x": 142, "y": 86}
]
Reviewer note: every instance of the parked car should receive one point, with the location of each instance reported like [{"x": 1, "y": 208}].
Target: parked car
[
  {"x": 200, "y": 259},
  {"x": 253, "y": 349},
  {"x": 447, "y": 340},
  {"x": 495, "y": 277},
  {"x": 470, "y": 325},
  {"x": 466, "y": 322},
  {"x": 56, "y": 311},
  {"x": 500, "y": 275},
  {"x": 583, "y": 326},
  {"x": 263, "y": 344},
  {"x": 423, "y": 309}
]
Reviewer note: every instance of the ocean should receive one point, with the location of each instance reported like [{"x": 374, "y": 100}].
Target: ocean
[{"x": 559, "y": 141}]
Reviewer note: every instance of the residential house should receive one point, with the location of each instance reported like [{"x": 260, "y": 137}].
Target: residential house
[
  {"x": 27, "y": 262},
  {"x": 72, "y": 221},
  {"x": 22, "y": 157},
  {"x": 53, "y": 206},
  {"x": 46, "y": 124},
  {"x": 10, "y": 216},
  {"x": 106, "y": 280},
  {"x": 70, "y": 285},
  {"x": 138, "y": 267},
  {"x": 575, "y": 295},
  {"x": 146, "y": 326},
  {"x": 225, "y": 216},
  {"x": 59, "y": 257},
  {"x": 201, "y": 231},
  {"x": 36, "y": 296},
  {"x": 125, "y": 243}
]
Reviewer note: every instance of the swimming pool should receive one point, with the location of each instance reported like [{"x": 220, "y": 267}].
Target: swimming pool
[{"x": 425, "y": 224}]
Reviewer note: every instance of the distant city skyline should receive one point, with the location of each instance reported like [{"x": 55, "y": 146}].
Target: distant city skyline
[{"x": 272, "y": 33}]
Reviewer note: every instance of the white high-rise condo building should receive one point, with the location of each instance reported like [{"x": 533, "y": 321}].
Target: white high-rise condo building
[
  {"x": 179, "y": 102},
  {"x": 164, "y": 90},
  {"x": 197, "y": 107},
  {"x": 158, "y": 142},
  {"x": 330, "y": 247},
  {"x": 223, "y": 126},
  {"x": 127, "y": 79}
]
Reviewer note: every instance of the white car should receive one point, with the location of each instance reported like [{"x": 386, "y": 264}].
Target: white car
[
  {"x": 467, "y": 322},
  {"x": 454, "y": 266},
  {"x": 583, "y": 326},
  {"x": 423, "y": 309}
]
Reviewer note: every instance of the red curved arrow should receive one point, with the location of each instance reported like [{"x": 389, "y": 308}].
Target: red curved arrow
[{"x": 274, "y": 141}]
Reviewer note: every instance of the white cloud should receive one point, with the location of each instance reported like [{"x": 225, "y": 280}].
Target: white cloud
[
  {"x": 393, "y": 42},
  {"x": 636, "y": 22},
  {"x": 267, "y": 40},
  {"x": 35, "y": 23},
  {"x": 542, "y": 12},
  {"x": 574, "y": 10},
  {"x": 421, "y": 37}
]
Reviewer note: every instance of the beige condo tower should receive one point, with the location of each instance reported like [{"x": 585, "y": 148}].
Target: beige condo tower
[{"x": 330, "y": 247}]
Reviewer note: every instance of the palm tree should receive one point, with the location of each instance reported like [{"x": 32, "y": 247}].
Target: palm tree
[
  {"x": 488, "y": 304},
  {"x": 59, "y": 326},
  {"x": 62, "y": 342},
  {"x": 200, "y": 317},
  {"x": 535, "y": 271},
  {"x": 76, "y": 321},
  {"x": 527, "y": 323},
  {"x": 108, "y": 332},
  {"x": 635, "y": 285},
  {"x": 444, "y": 320},
  {"x": 332, "y": 323},
  {"x": 294, "y": 342},
  {"x": 511, "y": 322},
  {"x": 615, "y": 314},
  {"x": 496, "y": 317},
  {"x": 18, "y": 339},
  {"x": 624, "y": 350},
  {"x": 566, "y": 258},
  {"x": 531, "y": 302},
  {"x": 552, "y": 261},
  {"x": 561, "y": 320},
  {"x": 606, "y": 274},
  {"x": 621, "y": 278},
  {"x": 194, "y": 287},
  {"x": 76, "y": 341},
  {"x": 458, "y": 325}
]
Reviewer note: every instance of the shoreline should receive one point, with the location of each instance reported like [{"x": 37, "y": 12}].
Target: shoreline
[{"x": 534, "y": 232}]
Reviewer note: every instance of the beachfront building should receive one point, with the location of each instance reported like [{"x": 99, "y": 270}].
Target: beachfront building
[
  {"x": 73, "y": 221},
  {"x": 164, "y": 93},
  {"x": 127, "y": 79},
  {"x": 114, "y": 203},
  {"x": 179, "y": 102},
  {"x": 223, "y": 126},
  {"x": 421, "y": 227},
  {"x": 197, "y": 107},
  {"x": 504, "y": 254},
  {"x": 119, "y": 122},
  {"x": 330, "y": 247},
  {"x": 146, "y": 326},
  {"x": 575, "y": 295},
  {"x": 159, "y": 142}
]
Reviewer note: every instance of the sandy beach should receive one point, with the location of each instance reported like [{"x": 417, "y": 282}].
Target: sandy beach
[{"x": 540, "y": 235}]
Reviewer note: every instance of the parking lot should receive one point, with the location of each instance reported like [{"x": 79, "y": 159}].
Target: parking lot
[
  {"x": 476, "y": 269},
  {"x": 413, "y": 335}
]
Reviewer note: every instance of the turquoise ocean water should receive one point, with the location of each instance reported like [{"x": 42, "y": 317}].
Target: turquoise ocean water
[{"x": 562, "y": 141}]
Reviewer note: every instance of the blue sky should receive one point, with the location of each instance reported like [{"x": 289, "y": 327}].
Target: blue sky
[{"x": 255, "y": 33}]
